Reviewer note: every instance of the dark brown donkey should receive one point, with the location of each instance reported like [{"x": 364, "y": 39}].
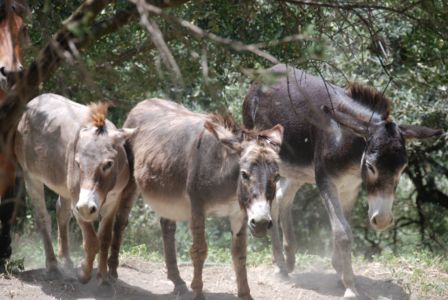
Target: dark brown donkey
[
  {"x": 189, "y": 166},
  {"x": 12, "y": 36},
  {"x": 77, "y": 153},
  {"x": 338, "y": 150}
]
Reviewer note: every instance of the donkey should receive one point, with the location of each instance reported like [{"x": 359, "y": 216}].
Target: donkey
[
  {"x": 353, "y": 142},
  {"x": 12, "y": 36},
  {"x": 82, "y": 161},
  {"x": 189, "y": 166}
]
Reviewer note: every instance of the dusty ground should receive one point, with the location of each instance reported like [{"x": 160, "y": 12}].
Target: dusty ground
[{"x": 143, "y": 280}]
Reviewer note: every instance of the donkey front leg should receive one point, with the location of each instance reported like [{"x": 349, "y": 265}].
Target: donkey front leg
[
  {"x": 287, "y": 191},
  {"x": 169, "y": 249},
  {"x": 281, "y": 214},
  {"x": 128, "y": 197},
  {"x": 36, "y": 191},
  {"x": 91, "y": 247},
  {"x": 198, "y": 252},
  {"x": 64, "y": 213},
  {"x": 239, "y": 254},
  {"x": 342, "y": 235},
  {"x": 105, "y": 237}
]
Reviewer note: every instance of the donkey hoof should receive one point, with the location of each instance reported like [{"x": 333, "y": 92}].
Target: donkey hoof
[
  {"x": 103, "y": 282},
  {"x": 350, "y": 293},
  {"x": 113, "y": 274},
  {"x": 53, "y": 273},
  {"x": 198, "y": 296},
  {"x": 246, "y": 297},
  {"x": 83, "y": 277},
  {"x": 281, "y": 274},
  {"x": 180, "y": 289},
  {"x": 290, "y": 264}
]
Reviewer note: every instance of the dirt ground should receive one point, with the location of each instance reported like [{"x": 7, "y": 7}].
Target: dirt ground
[{"x": 139, "y": 279}]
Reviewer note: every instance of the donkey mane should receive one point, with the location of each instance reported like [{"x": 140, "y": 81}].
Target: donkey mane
[
  {"x": 226, "y": 120},
  {"x": 369, "y": 98},
  {"x": 20, "y": 7},
  {"x": 98, "y": 115}
]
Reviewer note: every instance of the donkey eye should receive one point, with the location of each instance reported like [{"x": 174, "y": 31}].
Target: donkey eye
[
  {"x": 276, "y": 177},
  {"x": 107, "y": 165},
  {"x": 371, "y": 168},
  {"x": 245, "y": 175}
]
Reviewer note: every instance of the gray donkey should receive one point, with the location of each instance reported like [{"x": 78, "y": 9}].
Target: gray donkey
[
  {"x": 189, "y": 166},
  {"x": 77, "y": 153}
]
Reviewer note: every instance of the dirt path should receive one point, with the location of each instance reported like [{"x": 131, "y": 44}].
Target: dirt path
[{"x": 144, "y": 280}]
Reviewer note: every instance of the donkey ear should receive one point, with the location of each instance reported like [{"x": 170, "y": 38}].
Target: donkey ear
[
  {"x": 227, "y": 138},
  {"x": 419, "y": 132},
  {"x": 357, "y": 126},
  {"x": 274, "y": 136},
  {"x": 123, "y": 134}
]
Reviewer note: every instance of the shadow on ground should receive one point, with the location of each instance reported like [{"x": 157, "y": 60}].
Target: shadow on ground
[
  {"x": 329, "y": 284},
  {"x": 66, "y": 286}
]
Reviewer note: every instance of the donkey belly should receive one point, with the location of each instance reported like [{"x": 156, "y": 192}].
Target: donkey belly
[
  {"x": 173, "y": 208},
  {"x": 302, "y": 174}
]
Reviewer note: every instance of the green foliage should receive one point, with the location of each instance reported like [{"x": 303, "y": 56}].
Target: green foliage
[{"x": 403, "y": 54}]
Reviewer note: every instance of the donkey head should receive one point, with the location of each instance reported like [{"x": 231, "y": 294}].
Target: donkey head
[
  {"x": 259, "y": 170},
  {"x": 13, "y": 35},
  {"x": 101, "y": 159},
  {"x": 383, "y": 160}
]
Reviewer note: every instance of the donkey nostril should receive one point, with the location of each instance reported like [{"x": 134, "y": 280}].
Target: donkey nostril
[
  {"x": 374, "y": 221},
  {"x": 92, "y": 210},
  {"x": 252, "y": 222},
  {"x": 270, "y": 224},
  {"x": 77, "y": 208},
  {"x": 3, "y": 71}
]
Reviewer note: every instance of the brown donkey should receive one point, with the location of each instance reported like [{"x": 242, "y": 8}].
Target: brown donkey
[
  {"x": 189, "y": 166},
  {"x": 13, "y": 35},
  {"x": 357, "y": 142},
  {"x": 77, "y": 153}
]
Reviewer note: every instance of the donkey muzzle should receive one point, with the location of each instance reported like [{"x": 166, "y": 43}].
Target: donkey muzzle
[{"x": 87, "y": 206}]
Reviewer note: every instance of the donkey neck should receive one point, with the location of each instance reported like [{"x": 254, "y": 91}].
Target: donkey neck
[{"x": 343, "y": 150}]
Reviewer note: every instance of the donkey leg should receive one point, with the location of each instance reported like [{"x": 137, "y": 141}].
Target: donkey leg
[
  {"x": 105, "y": 237},
  {"x": 198, "y": 252},
  {"x": 91, "y": 247},
  {"x": 277, "y": 250},
  {"x": 239, "y": 255},
  {"x": 347, "y": 196},
  {"x": 169, "y": 249},
  {"x": 43, "y": 221},
  {"x": 342, "y": 234},
  {"x": 7, "y": 206},
  {"x": 64, "y": 213},
  {"x": 128, "y": 197},
  {"x": 289, "y": 190}
]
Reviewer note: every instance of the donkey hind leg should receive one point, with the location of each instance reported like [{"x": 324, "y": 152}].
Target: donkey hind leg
[
  {"x": 239, "y": 254},
  {"x": 43, "y": 221},
  {"x": 198, "y": 252},
  {"x": 342, "y": 235},
  {"x": 128, "y": 197},
  {"x": 169, "y": 249},
  {"x": 64, "y": 213}
]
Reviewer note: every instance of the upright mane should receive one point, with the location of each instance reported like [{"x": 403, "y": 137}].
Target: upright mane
[
  {"x": 98, "y": 115},
  {"x": 370, "y": 98},
  {"x": 226, "y": 120}
]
